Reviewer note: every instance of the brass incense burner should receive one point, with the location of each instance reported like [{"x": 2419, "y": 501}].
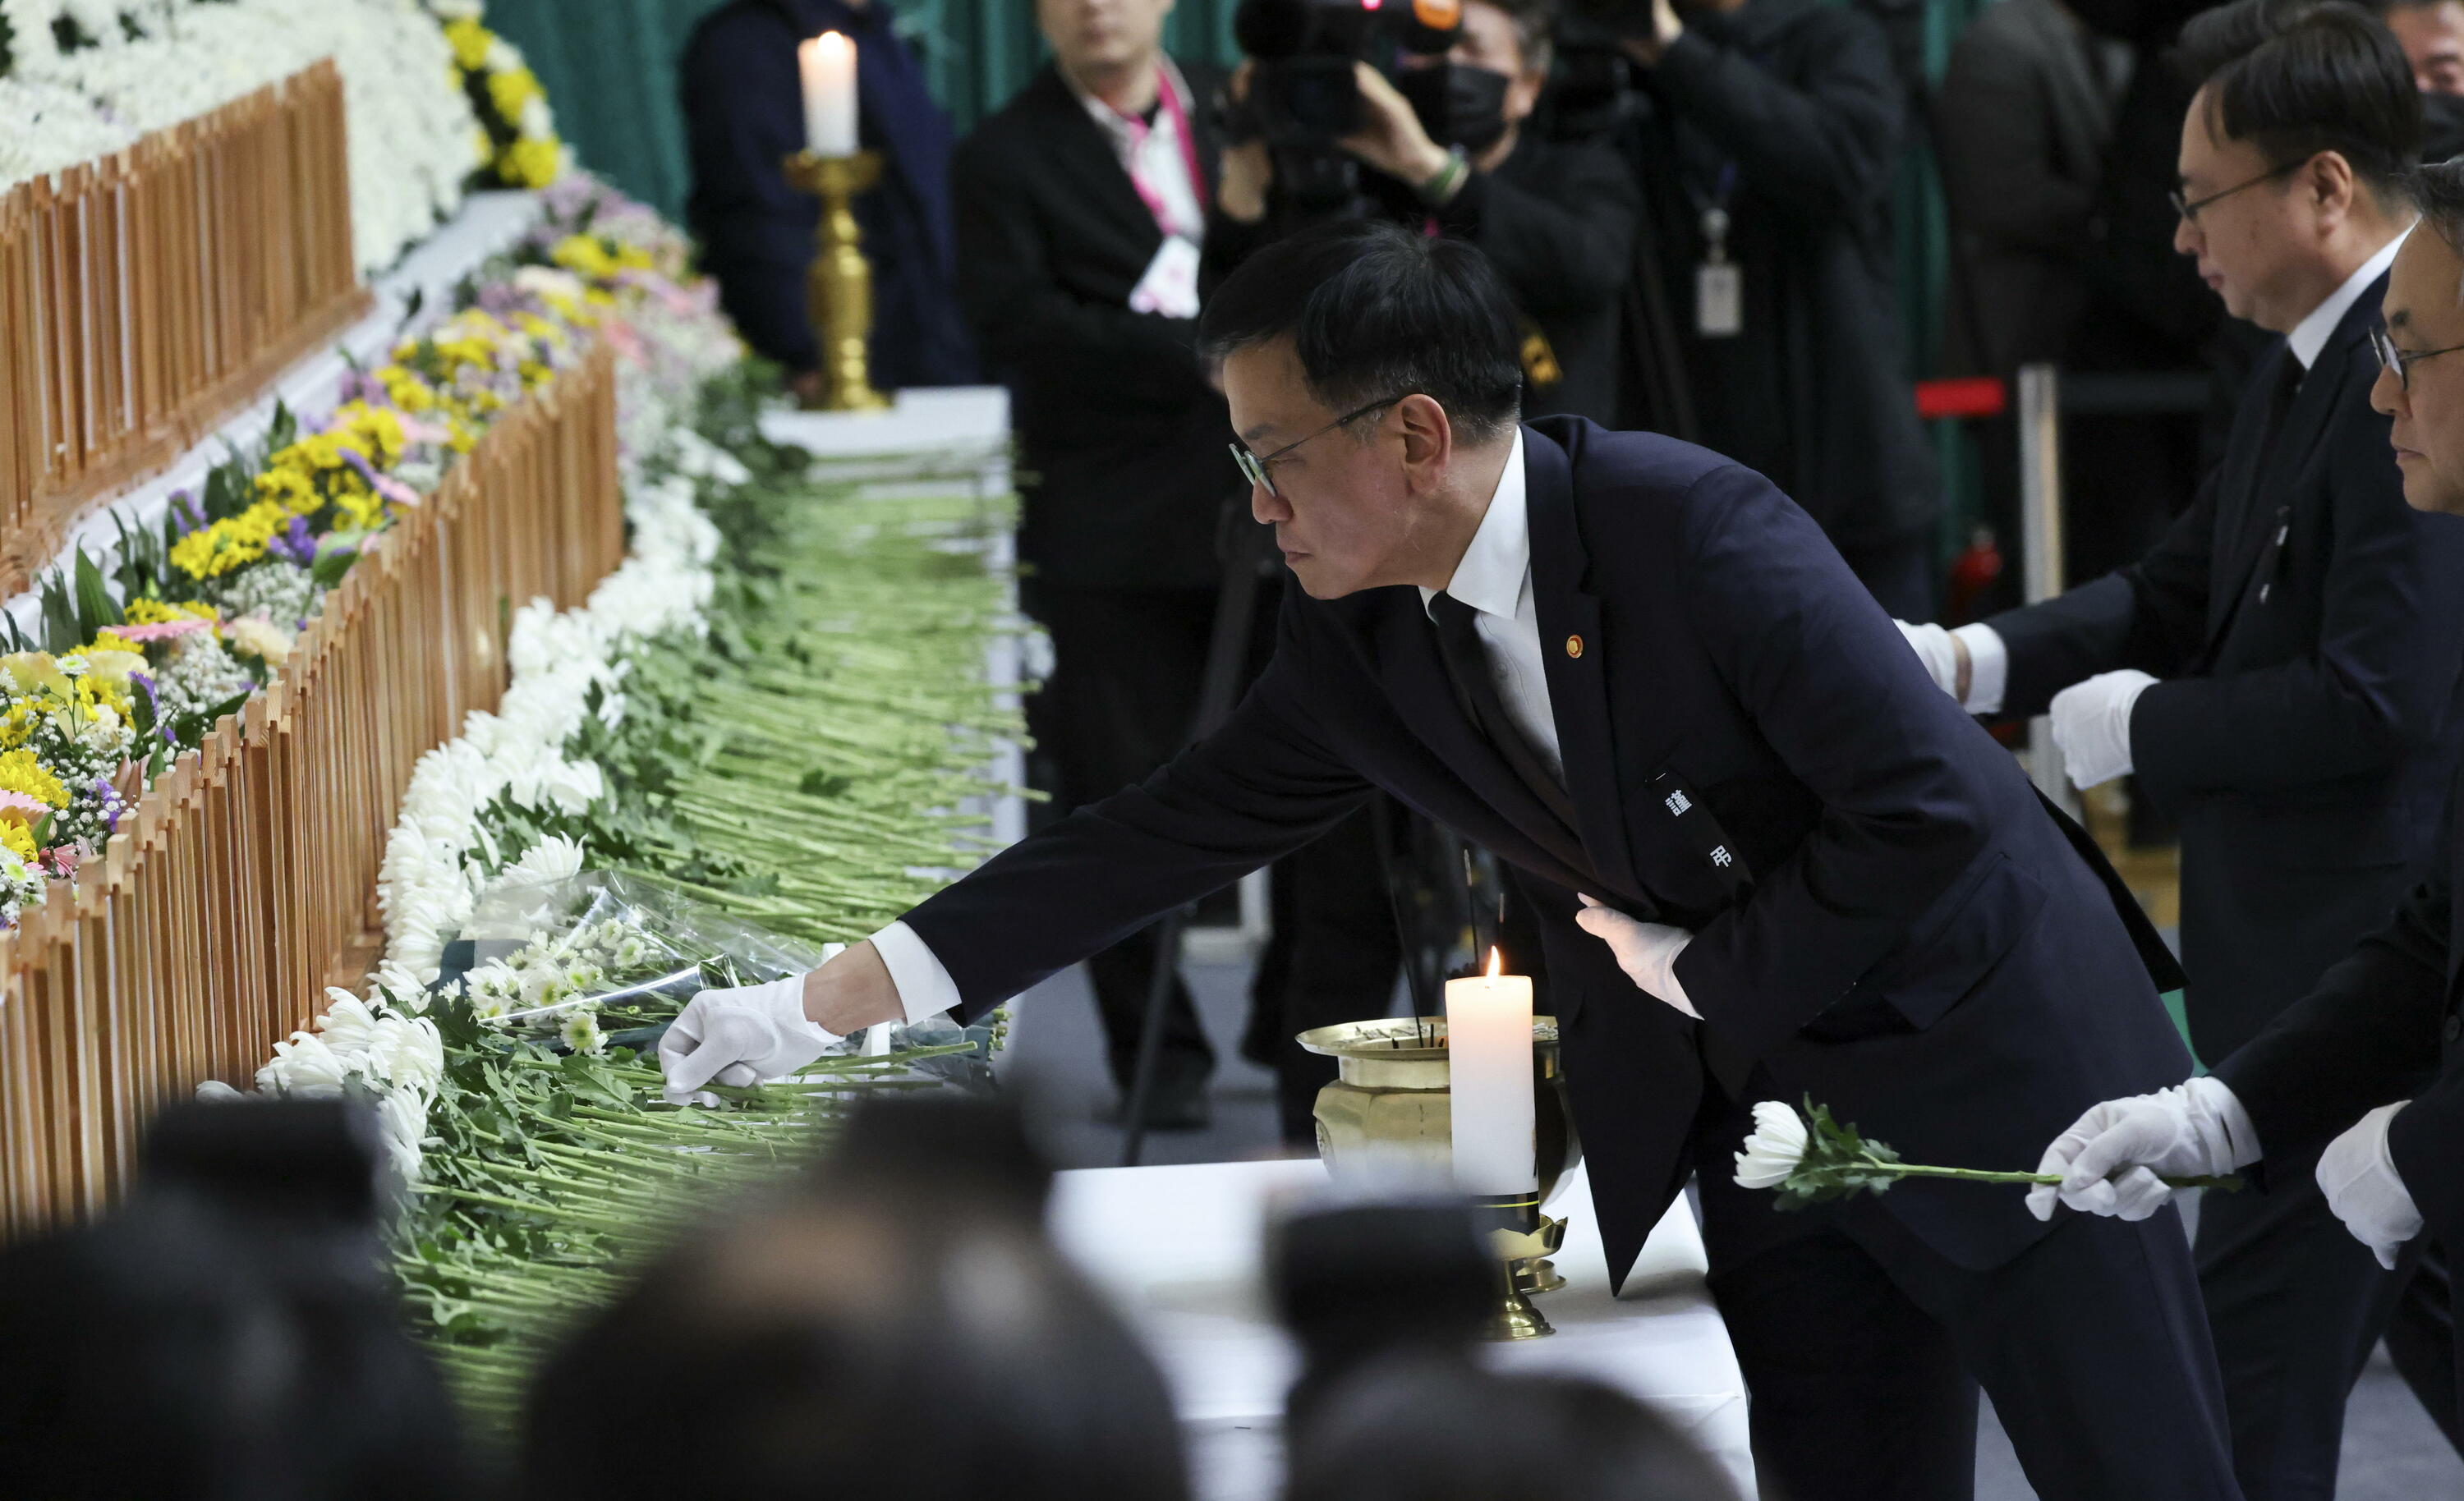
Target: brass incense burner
[
  {"x": 1389, "y": 1107},
  {"x": 839, "y": 286}
]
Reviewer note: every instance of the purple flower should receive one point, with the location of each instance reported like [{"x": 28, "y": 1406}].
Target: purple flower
[
  {"x": 108, "y": 798},
  {"x": 186, "y": 512},
  {"x": 295, "y": 544},
  {"x": 357, "y": 386}
]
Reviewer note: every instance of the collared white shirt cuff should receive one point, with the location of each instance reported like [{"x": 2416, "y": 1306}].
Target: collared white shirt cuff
[
  {"x": 2217, "y": 1098},
  {"x": 1989, "y": 667},
  {"x": 925, "y": 987}
]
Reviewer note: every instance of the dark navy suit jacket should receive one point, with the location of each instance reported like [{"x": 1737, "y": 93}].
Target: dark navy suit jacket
[
  {"x": 744, "y": 113},
  {"x": 1924, "y": 948},
  {"x": 2310, "y": 633},
  {"x": 2385, "y": 1024}
]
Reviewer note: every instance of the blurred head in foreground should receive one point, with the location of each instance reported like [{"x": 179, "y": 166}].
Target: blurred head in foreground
[
  {"x": 846, "y": 1339},
  {"x": 232, "y": 1333},
  {"x": 1447, "y": 1430}
]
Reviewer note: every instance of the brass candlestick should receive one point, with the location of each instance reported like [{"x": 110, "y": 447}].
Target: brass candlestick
[
  {"x": 838, "y": 289},
  {"x": 1392, "y": 1101}
]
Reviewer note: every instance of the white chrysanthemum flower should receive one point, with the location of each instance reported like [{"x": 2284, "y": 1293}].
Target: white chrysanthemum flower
[
  {"x": 401, "y": 1115},
  {"x": 303, "y": 1068},
  {"x": 581, "y": 1032},
  {"x": 1775, "y": 1148},
  {"x": 348, "y": 1026}
]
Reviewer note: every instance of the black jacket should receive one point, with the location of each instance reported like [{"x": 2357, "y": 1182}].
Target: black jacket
[
  {"x": 1557, "y": 217},
  {"x": 1921, "y": 946},
  {"x": 1795, "y": 104},
  {"x": 1123, "y": 463},
  {"x": 2309, "y": 629},
  {"x": 744, "y": 114},
  {"x": 2380, "y": 1026}
]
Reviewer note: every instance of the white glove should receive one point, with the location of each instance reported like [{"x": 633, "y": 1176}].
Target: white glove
[
  {"x": 2110, "y": 1157},
  {"x": 2092, "y": 724},
  {"x": 2364, "y": 1189},
  {"x": 1933, "y": 648},
  {"x": 1646, "y": 951},
  {"x": 739, "y": 1036}
]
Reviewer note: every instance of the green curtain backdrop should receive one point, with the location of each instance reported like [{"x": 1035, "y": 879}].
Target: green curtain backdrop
[{"x": 609, "y": 67}]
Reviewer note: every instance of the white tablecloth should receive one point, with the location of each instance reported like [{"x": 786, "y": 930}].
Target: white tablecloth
[{"x": 1180, "y": 1248}]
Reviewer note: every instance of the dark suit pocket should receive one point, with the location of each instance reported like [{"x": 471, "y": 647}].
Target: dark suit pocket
[{"x": 1947, "y": 957}]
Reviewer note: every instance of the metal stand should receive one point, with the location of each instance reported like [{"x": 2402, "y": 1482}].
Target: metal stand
[
  {"x": 838, "y": 288},
  {"x": 2041, "y": 547}
]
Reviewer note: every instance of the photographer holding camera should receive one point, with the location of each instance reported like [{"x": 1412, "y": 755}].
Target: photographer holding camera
[
  {"x": 1768, "y": 158},
  {"x": 1448, "y": 146}
]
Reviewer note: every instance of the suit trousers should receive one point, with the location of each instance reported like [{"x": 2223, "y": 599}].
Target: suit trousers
[
  {"x": 2296, "y": 1304},
  {"x": 1864, "y": 1348},
  {"x": 1121, "y": 701}
]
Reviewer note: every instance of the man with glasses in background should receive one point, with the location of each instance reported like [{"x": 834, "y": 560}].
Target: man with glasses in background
[{"x": 2281, "y": 673}]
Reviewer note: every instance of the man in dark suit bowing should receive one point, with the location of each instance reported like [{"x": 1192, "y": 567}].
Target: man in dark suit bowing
[
  {"x": 2281, "y": 673},
  {"x": 1081, "y": 213},
  {"x": 1639, "y": 674}
]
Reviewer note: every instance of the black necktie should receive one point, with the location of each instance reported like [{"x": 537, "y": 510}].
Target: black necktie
[
  {"x": 2279, "y": 405},
  {"x": 1466, "y": 660}
]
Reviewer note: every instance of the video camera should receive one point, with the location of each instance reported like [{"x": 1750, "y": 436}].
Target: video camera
[{"x": 1302, "y": 95}]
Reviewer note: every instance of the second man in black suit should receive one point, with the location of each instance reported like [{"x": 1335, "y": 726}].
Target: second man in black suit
[
  {"x": 1081, "y": 213},
  {"x": 2281, "y": 672}
]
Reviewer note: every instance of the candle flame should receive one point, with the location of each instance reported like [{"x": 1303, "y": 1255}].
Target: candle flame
[{"x": 1496, "y": 962}]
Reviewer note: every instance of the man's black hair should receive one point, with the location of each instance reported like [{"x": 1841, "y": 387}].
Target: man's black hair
[
  {"x": 2297, "y": 77},
  {"x": 1375, "y": 311},
  {"x": 2439, "y": 190}
]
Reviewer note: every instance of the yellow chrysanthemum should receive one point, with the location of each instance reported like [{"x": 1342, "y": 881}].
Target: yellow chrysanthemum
[
  {"x": 372, "y": 432},
  {"x": 143, "y": 611},
  {"x": 531, "y": 162},
  {"x": 359, "y": 511},
  {"x": 212, "y": 552},
  {"x": 21, "y": 773},
  {"x": 19, "y": 840},
  {"x": 404, "y": 389},
  {"x": 470, "y": 41},
  {"x": 288, "y": 485},
  {"x": 512, "y": 89}
]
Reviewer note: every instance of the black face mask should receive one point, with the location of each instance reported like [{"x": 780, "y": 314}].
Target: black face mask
[{"x": 1458, "y": 105}]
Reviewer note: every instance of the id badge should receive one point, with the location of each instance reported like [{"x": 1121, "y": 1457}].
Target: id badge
[{"x": 1719, "y": 300}]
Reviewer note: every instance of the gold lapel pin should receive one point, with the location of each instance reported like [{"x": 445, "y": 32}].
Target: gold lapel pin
[{"x": 1574, "y": 646}]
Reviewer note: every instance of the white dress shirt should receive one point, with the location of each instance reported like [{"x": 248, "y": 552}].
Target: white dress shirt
[
  {"x": 1988, "y": 660},
  {"x": 1494, "y": 577},
  {"x": 1153, "y": 153}
]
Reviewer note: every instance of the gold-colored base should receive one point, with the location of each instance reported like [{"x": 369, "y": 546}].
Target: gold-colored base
[
  {"x": 838, "y": 288},
  {"x": 1522, "y": 1246},
  {"x": 1539, "y": 1274}
]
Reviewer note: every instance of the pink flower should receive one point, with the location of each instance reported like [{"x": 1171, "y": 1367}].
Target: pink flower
[
  {"x": 159, "y": 630},
  {"x": 32, "y": 806}
]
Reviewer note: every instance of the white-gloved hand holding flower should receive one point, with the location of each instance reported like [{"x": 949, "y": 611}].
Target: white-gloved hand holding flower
[
  {"x": 2092, "y": 724},
  {"x": 1646, "y": 951},
  {"x": 2364, "y": 1188},
  {"x": 739, "y": 1036},
  {"x": 2116, "y": 1158}
]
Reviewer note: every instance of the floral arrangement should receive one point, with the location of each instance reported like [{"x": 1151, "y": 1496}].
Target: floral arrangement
[
  {"x": 81, "y": 79},
  {"x": 127, "y": 670},
  {"x": 516, "y": 143}
]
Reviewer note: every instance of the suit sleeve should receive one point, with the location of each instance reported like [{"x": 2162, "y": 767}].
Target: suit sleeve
[
  {"x": 1025, "y": 318},
  {"x": 2151, "y": 616},
  {"x": 2366, "y": 1035},
  {"x": 2426, "y": 1139},
  {"x": 1563, "y": 245},
  {"x": 2376, "y": 688},
  {"x": 1903, "y": 776},
  {"x": 1260, "y": 787},
  {"x": 1817, "y": 151}
]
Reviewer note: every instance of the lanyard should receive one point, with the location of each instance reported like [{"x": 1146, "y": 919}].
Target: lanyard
[{"x": 1139, "y": 129}]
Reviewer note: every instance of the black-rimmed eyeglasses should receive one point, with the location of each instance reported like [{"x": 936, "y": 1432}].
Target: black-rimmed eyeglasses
[
  {"x": 1254, "y": 467},
  {"x": 2400, "y": 361},
  {"x": 2189, "y": 208}
]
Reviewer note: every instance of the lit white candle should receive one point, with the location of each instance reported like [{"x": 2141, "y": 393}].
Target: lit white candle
[
  {"x": 1488, "y": 1047},
  {"x": 826, "y": 64}
]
